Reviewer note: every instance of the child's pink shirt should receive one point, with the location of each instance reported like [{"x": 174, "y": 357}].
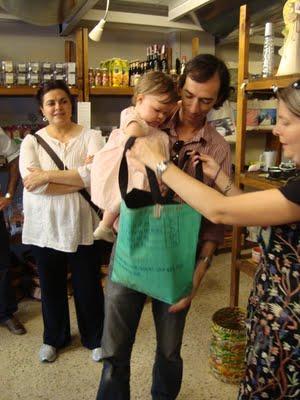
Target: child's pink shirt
[{"x": 105, "y": 190}]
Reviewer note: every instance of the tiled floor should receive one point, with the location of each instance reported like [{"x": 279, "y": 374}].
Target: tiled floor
[{"x": 74, "y": 376}]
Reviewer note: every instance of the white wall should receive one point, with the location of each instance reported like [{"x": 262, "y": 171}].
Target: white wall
[
  {"x": 229, "y": 53},
  {"x": 25, "y": 42}
]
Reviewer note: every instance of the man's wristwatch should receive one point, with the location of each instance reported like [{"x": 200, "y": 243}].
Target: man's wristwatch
[
  {"x": 8, "y": 195},
  {"x": 161, "y": 167},
  {"x": 206, "y": 259}
]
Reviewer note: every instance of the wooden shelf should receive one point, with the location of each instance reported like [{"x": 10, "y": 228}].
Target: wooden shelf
[
  {"x": 255, "y": 180},
  {"x": 247, "y": 266},
  {"x": 111, "y": 91},
  {"x": 259, "y": 129},
  {"x": 269, "y": 83},
  {"x": 27, "y": 91}
]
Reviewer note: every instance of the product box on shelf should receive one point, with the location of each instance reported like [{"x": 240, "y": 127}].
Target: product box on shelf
[
  {"x": 33, "y": 73},
  {"x": 261, "y": 114}
]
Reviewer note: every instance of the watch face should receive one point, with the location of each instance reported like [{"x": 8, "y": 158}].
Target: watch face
[{"x": 7, "y": 196}]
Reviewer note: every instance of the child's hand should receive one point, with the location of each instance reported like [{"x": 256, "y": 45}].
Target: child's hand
[
  {"x": 209, "y": 165},
  {"x": 88, "y": 160},
  {"x": 135, "y": 128}
]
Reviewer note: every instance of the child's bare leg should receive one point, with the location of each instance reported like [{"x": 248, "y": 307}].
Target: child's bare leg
[
  {"x": 109, "y": 219},
  {"x": 104, "y": 230}
]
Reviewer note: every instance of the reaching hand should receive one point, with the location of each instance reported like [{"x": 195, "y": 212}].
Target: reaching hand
[
  {"x": 36, "y": 178},
  {"x": 197, "y": 278},
  {"x": 209, "y": 165},
  {"x": 148, "y": 151},
  {"x": 4, "y": 202}
]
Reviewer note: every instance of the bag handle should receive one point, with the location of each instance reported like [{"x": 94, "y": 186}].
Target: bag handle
[
  {"x": 123, "y": 176},
  {"x": 198, "y": 174},
  {"x": 60, "y": 165}
]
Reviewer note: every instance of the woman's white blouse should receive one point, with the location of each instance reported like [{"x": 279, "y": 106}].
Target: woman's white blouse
[{"x": 61, "y": 222}]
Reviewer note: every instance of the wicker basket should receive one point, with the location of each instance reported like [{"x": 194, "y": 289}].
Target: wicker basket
[{"x": 227, "y": 347}]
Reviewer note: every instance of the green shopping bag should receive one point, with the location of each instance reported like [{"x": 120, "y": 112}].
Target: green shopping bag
[{"x": 157, "y": 241}]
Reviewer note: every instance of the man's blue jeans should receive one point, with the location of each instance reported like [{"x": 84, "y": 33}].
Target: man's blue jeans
[{"x": 123, "y": 308}]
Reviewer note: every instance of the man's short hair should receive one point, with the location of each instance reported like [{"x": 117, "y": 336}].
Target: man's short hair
[{"x": 202, "y": 68}]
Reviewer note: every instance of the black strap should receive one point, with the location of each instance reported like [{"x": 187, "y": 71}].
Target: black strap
[
  {"x": 198, "y": 175},
  {"x": 123, "y": 176},
  {"x": 60, "y": 165}
]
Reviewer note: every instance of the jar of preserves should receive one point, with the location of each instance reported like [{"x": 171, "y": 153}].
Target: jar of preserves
[
  {"x": 98, "y": 78},
  {"x": 105, "y": 77},
  {"x": 91, "y": 77}
]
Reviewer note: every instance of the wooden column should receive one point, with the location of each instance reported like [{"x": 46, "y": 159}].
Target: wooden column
[
  {"x": 70, "y": 51},
  {"x": 240, "y": 144},
  {"x": 79, "y": 62},
  {"x": 195, "y": 46},
  {"x": 85, "y": 40}
]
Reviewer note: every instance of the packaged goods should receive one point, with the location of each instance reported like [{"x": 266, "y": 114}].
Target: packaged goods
[
  {"x": 117, "y": 73},
  {"x": 21, "y": 79},
  {"x": 125, "y": 81},
  {"x": 91, "y": 77},
  {"x": 98, "y": 80},
  {"x": 7, "y": 66},
  {"x": 8, "y": 78},
  {"x": 105, "y": 77},
  {"x": 70, "y": 67},
  {"x": 34, "y": 67},
  {"x": 71, "y": 79}
]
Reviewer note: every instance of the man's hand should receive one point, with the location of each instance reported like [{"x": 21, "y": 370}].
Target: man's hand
[
  {"x": 197, "y": 278},
  {"x": 4, "y": 202},
  {"x": 209, "y": 165},
  {"x": 36, "y": 178}
]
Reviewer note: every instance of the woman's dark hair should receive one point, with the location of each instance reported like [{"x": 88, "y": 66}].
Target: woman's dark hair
[
  {"x": 202, "y": 68},
  {"x": 53, "y": 85}
]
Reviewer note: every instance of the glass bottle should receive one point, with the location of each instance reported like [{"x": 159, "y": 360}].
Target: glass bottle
[
  {"x": 182, "y": 64},
  {"x": 104, "y": 77},
  {"x": 98, "y": 78},
  {"x": 268, "y": 51},
  {"x": 164, "y": 61}
]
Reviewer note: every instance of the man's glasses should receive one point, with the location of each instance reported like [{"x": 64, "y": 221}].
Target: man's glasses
[{"x": 177, "y": 146}]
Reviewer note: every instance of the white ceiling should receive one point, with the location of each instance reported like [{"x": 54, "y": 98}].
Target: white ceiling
[{"x": 158, "y": 15}]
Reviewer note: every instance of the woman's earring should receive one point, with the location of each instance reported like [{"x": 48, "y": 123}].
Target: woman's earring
[{"x": 44, "y": 119}]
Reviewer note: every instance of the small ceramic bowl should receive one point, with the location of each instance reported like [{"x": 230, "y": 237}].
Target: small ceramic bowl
[{"x": 274, "y": 172}]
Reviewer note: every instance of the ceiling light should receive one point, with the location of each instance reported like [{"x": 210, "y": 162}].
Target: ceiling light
[{"x": 96, "y": 33}]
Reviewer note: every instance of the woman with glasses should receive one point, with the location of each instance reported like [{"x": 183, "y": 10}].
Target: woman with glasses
[{"x": 273, "y": 349}]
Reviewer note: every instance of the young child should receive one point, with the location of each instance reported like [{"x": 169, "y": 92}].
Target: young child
[{"x": 155, "y": 97}]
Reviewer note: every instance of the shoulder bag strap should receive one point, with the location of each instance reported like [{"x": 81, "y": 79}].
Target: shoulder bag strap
[
  {"x": 123, "y": 176},
  {"x": 60, "y": 165}
]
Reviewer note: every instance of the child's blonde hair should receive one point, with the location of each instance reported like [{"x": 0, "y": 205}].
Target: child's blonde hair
[{"x": 156, "y": 83}]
